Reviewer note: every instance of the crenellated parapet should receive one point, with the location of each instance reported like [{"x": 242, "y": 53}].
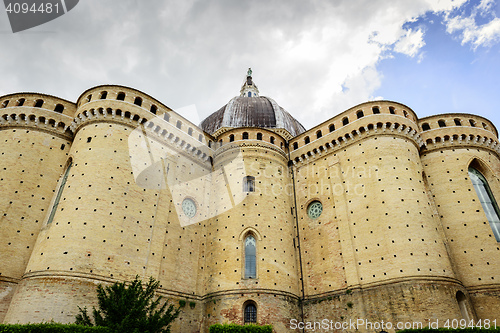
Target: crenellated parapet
[
  {"x": 132, "y": 106},
  {"x": 458, "y": 130},
  {"x": 37, "y": 111},
  {"x": 364, "y": 127}
]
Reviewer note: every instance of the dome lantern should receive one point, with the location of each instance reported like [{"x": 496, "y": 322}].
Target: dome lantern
[{"x": 249, "y": 89}]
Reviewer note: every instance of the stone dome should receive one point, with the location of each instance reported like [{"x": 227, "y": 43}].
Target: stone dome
[{"x": 251, "y": 110}]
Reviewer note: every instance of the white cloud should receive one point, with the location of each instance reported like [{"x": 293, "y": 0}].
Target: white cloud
[
  {"x": 410, "y": 43},
  {"x": 315, "y": 58},
  {"x": 470, "y": 32}
]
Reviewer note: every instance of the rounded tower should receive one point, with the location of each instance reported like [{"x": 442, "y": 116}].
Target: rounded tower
[
  {"x": 35, "y": 139},
  {"x": 377, "y": 238},
  {"x": 462, "y": 170},
  {"x": 251, "y": 267},
  {"x": 104, "y": 225}
]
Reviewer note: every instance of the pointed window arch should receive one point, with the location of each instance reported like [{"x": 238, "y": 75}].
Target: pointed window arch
[
  {"x": 487, "y": 200},
  {"x": 250, "y": 257},
  {"x": 59, "y": 193}
]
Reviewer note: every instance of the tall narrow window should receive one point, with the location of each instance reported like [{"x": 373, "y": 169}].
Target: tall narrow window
[
  {"x": 231, "y": 138},
  {"x": 59, "y": 193},
  {"x": 318, "y": 134},
  {"x": 249, "y": 94},
  {"x": 250, "y": 313},
  {"x": 487, "y": 200},
  {"x": 259, "y": 136},
  {"x": 104, "y": 94},
  {"x": 250, "y": 258},
  {"x": 462, "y": 304},
  {"x": 345, "y": 121},
  {"x": 179, "y": 124},
  {"x": 249, "y": 184},
  {"x": 295, "y": 146}
]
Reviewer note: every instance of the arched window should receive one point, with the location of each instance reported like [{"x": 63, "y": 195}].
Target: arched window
[
  {"x": 250, "y": 315},
  {"x": 405, "y": 113},
  {"x": 360, "y": 114},
  {"x": 200, "y": 138},
  {"x": 319, "y": 134},
  {"x": 472, "y": 123},
  {"x": 104, "y": 94},
  {"x": 249, "y": 94},
  {"x": 231, "y": 138},
  {"x": 458, "y": 122},
  {"x": 345, "y": 121},
  {"x": 271, "y": 139},
  {"x": 425, "y": 127},
  {"x": 5, "y": 103},
  {"x": 331, "y": 128},
  {"x": 391, "y": 110},
  {"x": 59, "y": 108},
  {"x": 120, "y": 96},
  {"x": 245, "y": 136},
  {"x": 166, "y": 116},
  {"x": 190, "y": 131},
  {"x": 487, "y": 200},
  {"x": 306, "y": 140},
  {"x": 375, "y": 110},
  {"x": 179, "y": 124},
  {"x": 249, "y": 184},
  {"x": 39, "y": 103},
  {"x": 89, "y": 98},
  {"x": 295, "y": 146},
  {"x": 21, "y": 102},
  {"x": 441, "y": 123},
  {"x": 59, "y": 193},
  {"x": 138, "y": 101},
  {"x": 153, "y": 109},
  {"x": 462, "y": 304},
  {"x": 250, "y": 257},
  {"x": 259, "y": 136}
]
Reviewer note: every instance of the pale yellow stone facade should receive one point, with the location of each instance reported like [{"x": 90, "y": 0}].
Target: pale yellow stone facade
[{"x": 402, "y": 236}]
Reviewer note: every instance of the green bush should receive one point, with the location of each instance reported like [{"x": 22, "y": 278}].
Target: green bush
[
  {"x": 52, "y": 328},
  {"x": 456, "y": 330},
  {"x": 234, "y": 328}
]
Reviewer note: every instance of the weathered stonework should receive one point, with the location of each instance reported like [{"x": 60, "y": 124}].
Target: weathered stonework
[{"x": 402, "y": 236}]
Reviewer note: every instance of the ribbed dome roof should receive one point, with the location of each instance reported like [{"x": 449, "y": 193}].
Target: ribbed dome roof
[{"x": 252, "y": 112}]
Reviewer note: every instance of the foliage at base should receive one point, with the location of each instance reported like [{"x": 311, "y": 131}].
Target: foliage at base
[
  {"x": 52, "y": 328},
  {"x": 130, "y": 308},
  {"x": 234, "y": 328},
  {"x": 453, "y": 330}
]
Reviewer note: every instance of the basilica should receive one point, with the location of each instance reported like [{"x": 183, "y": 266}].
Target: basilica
[{"x": 375, "y": 215}]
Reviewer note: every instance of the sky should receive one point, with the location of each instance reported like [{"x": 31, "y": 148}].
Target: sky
[{"x": 314, "y": 58}]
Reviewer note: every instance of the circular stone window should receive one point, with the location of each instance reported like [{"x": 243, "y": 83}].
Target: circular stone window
[
  {"x": 189, "y": 207},
  {"x": 314, "y": 209}
]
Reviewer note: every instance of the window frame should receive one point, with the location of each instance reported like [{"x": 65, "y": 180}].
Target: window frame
[{"x": 495, "y": 226}]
